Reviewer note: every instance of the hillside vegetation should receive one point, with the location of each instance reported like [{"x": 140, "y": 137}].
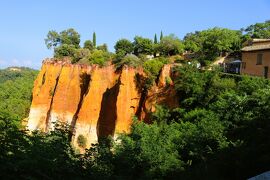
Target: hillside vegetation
[
  {"x": 220, "y": 131},
  {"x": 15, "y": 92}
]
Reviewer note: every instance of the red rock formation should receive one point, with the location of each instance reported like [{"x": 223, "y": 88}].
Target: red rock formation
[
  {"x": 163, "y": 93},
  {"x": 96, "y": 101},
  {"x": 67, "y": 95},
  {"x": 43, "y": 92},
  {"x": 102, "y": 79}
]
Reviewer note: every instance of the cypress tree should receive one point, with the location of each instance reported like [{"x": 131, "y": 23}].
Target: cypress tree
[
  {"x": 94, "y": 40},
  {"x": 155, "y": 39},
  {"x": 161, "y": 35}
]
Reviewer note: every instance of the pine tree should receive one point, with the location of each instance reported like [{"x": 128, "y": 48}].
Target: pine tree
[
  {"x": 161, "y": 35},
  {"x": 94, "y": 40},
  {"x": 155, "y": 39}
]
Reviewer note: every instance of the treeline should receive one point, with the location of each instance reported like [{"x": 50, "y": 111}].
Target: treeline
[
  {"x": 221, "y": 130},
  {"x": 206, "y": 45}
]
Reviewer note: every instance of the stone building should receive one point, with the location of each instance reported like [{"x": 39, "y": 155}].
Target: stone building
[{"x": 256, "y": 58}]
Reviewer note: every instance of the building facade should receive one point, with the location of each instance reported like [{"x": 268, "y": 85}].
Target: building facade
[{"x": 256, "y": 58}]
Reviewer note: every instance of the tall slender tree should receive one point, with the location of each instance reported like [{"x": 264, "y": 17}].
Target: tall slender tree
[
  {"x": 155, "y": 39},
  {"x": 94, "y": 40},
  {"x": 161, "y": 36}
]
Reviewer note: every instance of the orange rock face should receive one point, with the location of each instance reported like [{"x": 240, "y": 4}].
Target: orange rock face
[
  {"x": 68, "y": 94},
  {"x": 163, "y": 93},
  {"x": 96, "y": 101},
  {"x": 43, "y": 92},
  {"x": 102, "y": 79}
]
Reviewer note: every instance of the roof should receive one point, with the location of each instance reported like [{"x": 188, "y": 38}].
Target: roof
[
  {"x": 235, "y": 61},
  {"x": 260, "y": 40},
  {"x": 256, "y": 47}
]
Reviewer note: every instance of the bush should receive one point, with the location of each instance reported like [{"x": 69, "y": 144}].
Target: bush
[
  {"x": 81, "y": 140},
  {"x": 171, "y": 45},
  {"x": 123, "y": 46},
  {"x": 99, "y": 57},
  {"x": 64, "y": 50},
  {"x": 88, "y": 45},
  {"x": 81, "y": 54},
  {"x": 129, "y": 60},
  {"x": 153, "y": 66}
]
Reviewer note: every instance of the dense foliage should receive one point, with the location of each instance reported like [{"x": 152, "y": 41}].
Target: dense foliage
[
  {"x": 67, "y": 44},
  {"x": 211, "y": 43},
  {"x": 258, "y": 30},
  {"x": 16, "y": 92},
  {"x": 220, "y": 131}
]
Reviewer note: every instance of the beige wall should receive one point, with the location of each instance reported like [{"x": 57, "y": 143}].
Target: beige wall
[
  {"x": 250, "y": 58},
  {"x": 261, "y": 43}
]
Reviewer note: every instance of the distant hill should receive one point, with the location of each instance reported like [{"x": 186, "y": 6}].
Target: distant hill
[{"x": 11, "y": 73}]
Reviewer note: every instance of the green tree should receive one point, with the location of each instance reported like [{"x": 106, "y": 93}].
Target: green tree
[
  {"x": 103, "y": 47},
  {"x": 65, "y": 50},
  {"x": 211, "y": 43},
  {"x": 94, "y": 40},
  {"x": 123, "y": 46},
  {"x": 171, "y": 45},
  {"x": 142, "y": 46},
  {"x": 148, "y": 152},
  {"x": 218, "y": 40},
  {"x": 155, "y": 39},
  {"x": 193, "y": 42},
  {"x": 153, "y": 66},
  {"x": 64, "y": 43},
  {"x": 161, "y": 36},
  {"x": 259, "y": 30},
  {"x": 129, "y": 60},
  {"x": 99, "y": 57},
  {"x": 53, "y": 39},
  {"x": 82, "y": 55},
  {"x": 88, "y": 45},
  {"x": 70, "y": 37},
  {"x": 16, "y": 92}
]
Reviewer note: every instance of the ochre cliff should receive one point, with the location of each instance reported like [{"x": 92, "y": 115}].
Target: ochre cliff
[{"x": 95, "y": 101}]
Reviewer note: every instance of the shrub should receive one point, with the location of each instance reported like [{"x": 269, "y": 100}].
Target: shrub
[
  {"x": 153, "y": 66},
  {"x": 99, "y": 57},
  {"x": 88, "y": 45},
  {"x": 171, "y": 45},
  {"x": 81, "y": 54},
  {"x": 64, "y": 50},
  {"x": 129, "y": 60},
  {"x": 81, "y": 140},
  {"x": 123, "y": 46}
]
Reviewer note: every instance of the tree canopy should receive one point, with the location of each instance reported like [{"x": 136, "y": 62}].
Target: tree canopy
[
  {"x": 171, "y": 45},
  {"x": 210, "y": 43},
  {"x": 142, "y": 45},
  {"x": 258, "y": 30},
  {"x": 68, "y": 37},
  {"x": 123, "y": 46}
]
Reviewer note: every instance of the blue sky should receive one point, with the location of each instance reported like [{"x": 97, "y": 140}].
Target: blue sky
[{"x": 25, "y": 23}]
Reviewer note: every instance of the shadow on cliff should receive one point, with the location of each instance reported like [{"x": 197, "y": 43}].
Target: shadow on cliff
[
  {"x": 108, "y": 113},
  {"x": 84, "y": 86},
  {"x": 141, "y": 81}
]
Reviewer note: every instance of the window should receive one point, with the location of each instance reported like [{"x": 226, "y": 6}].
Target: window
[{"x": 259, "y": 59}]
